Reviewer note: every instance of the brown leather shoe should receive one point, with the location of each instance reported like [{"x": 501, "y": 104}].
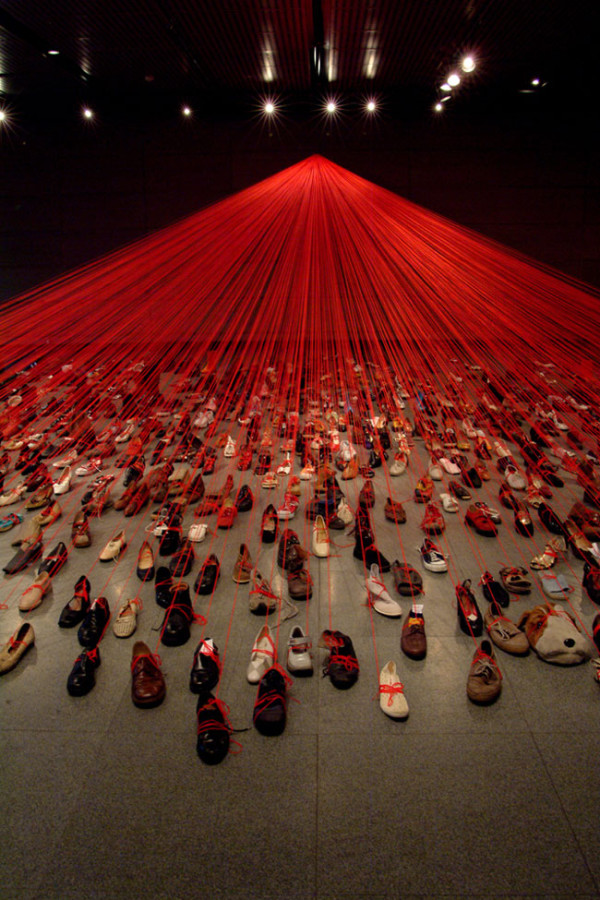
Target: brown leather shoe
[
  {"x": 80, "y": 531},
  {"x": 299, "y": 585},
  {"x": 394, "y": 511},
  {"x": 148, "y": 686},
  {"x": 413, "y": 641},
  {"x": 243, "y": 566}
]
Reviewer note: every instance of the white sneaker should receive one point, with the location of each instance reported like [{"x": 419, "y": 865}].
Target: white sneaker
[
  {"x": 398, "y": 467},
  {"x": 449, "y": 503},
  {"x": 263, "y": 655},
  {"x": 197, "y": 532},
  {"x": 379, "y": 597},
  {"x": 432, "y": 557},
  {"x": 90, "y": 467},
  {"x": 299, "y": 657},
  {"x": 391, "y": 693}
]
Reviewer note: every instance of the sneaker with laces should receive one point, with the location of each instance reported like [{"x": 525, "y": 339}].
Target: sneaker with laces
[
  {"x": 288, "y": 508},
  {"x": 432, "y": 557},
  {"x": 392, "y": 700},
  {"x": 484, "y": 682}
]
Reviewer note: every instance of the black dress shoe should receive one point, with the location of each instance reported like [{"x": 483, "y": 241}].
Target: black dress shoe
[
  {"x": 163, "y": 585},
  {"x": 55, "y": 560},
  {"x": 208, "y": 575},
  {"x": 27, "y": 554},
  {"x": 182, "y": 561},
  {"x": 342, "y": 665},
  {"x": 170, "y": 539},
  {"x": 270, "y": 705},
  {"x": 365, "y": 549},
  {"x": 469, "y": 614},
  {"x": 493, "y": 591},
  {"x": 175, "y": 629},
  {"x": 551, "y": 521},
  {"x": 78, "y": 607},
  {"x": 83, "y": 674},
  {"x": 206, "y": 667},
  {"x": 93, "y": 626},
  {"x": 244, "y": 500},
  {"x": 212, "y": 745}
]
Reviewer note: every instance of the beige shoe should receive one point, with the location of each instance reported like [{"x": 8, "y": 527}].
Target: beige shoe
[
  {"x": 16, "y": 647},
  {"x": 320, "y": 539},
  {"x": 30, "y": 530},
  {"x": 264, "y": 655},
  {"x": 126, "y": 620},
  {"x": 34, "y": 594},
  {"x": 49, "y": 514},
  {"x": 485, "y": 678},
  {"x": 13, "y": 496},
  {"x": 80, "y": 530},
  {"x": 391, "y": 693},
  {"x": 243, "y": 566},
  {"x": 504, "y": 632},
  {"x": 114, "y": 548}
]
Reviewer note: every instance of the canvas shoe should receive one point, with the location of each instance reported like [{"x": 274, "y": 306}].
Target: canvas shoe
[
  {"x": 126, "y": 621},
  {"x": 392, "y": 700},
  {"x": 379, "y": 597},
  {"x": 432, "y": 557},
  {"x": 288, "y": 508}
]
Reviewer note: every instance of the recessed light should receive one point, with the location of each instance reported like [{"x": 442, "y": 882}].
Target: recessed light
[
  {"x": 438, "y": 107},
  {"x": 453, "y": 80},
  {"x": 446, "y": 87},
  {"x": 331, "y": 107},
  {"x": 371, "y": 106},
  {"x": 269, "y": 107},
  {"x": 53, "y": 52},
  {"x": 186, "y": 111},
  {"x": 87, "y": 113},
  {"x": 467, "y": 64}
]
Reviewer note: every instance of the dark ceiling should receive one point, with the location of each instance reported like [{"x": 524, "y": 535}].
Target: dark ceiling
[{"x": 229, "y": 51}]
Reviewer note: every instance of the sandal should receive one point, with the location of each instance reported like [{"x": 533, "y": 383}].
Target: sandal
[{"x": 514, "y": 579}]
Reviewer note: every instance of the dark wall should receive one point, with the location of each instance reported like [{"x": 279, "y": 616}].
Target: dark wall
[{"x": 70, "y": 194}]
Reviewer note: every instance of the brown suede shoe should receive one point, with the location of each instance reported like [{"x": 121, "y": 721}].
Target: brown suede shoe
[
  {"x": 485, "y": 678},
  {"x": 243, "y": 566}
]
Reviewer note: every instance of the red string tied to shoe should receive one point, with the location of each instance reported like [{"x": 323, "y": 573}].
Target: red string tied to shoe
[
  {"x": 153, "y": 657},
  {"x": 216, "y": 724},
  {"x": 391, "y": 689}
]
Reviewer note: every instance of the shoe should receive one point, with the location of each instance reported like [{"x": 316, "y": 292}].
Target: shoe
[
  {"x": 82, "y": 677},
  {"x": 299, "y": 657},
  {"x": 407, "y": 580},
  {"x": 269, "y": 525},
  {"x": 208, "y": 576},
  {"x": 548, "y": 558},
  {"x": 493, "y": 591},
  {"x": 206, "y": 667},
  {"x": 514, "y": 479},
  {"x": 34, "y": 594},
  {"x": 213, "y": 729},
  {"x": 64, "y": 481},
  {"x": 423, "y": 490},
  {"x": 263, "y": 656},
  {"x": 270, "y": 705},
  {"x": 78, "y": 606},
  {"x": 145, "y": 563},
  {"x": 148, "y": 686},
  {"x": 243, "y": 566},
  {"x": 514, "y": 579},
  {"x": 262, "y": 601},
  {"x": 182, "y": 561},
  {"x": 391, "y": 693},
  {"x": 227, "y": 514},
  {"x": 56, "y": 559},
  {"x": 126, "y": 621},
  {"x": 299, "y": 584},
  {"x": 114, "y": 548},
  {"x": 288, "y": 508},
  {"x": 344, "y": 512},
  {"x": 320, "y": 538},
  {"x": 479, "y": 519},
  {"x": 29, "y": 552},
  {"x": 556, "y": 586},
  {"x": 432, "y": 557},
  {"x": 342, "y": 664},
  {"x": 394, "y": 511},
  {"x": 16, "y": 647},
  {"x": 94, "y": 624},
  {"x": 378, "y": 595},
  {"x": 175, "y": 629},
  {"x": 449, "y": 504},
  {"x": 163, "y": 585},
  {"x": 9, "y": 521},
  {"x": 504, "y": 633},
  {"x": 413, "y": 641},
  {"x": 458, "y": 491},
  {"x": 244, "y": 499},
  {"x": 484, "y": 683},
  {"x": 433, "y": 521},
  {"x": 80, "y": 531},
  {"x": 92, "y": 467},
  {"x": 523, "y": 522},
  {"x": 12, "y": 496},
  {"x": 469, "y": 615}
]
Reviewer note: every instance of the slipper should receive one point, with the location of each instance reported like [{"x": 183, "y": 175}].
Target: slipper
[
  {"x": 556, "y": 586},
  {"x": 514, "y": 579}
]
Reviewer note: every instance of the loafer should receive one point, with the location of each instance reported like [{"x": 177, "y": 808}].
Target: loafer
[
  {"x": 16, "y": 647},
  {"x": 263, "y": 656},
  {"x": 379, "y": 597},
  {"x": 342, "y": 665},
  {"x": 504, "y": 633},
  {"x": 125, "y": 622},
  {"x": 206, "y": 667},
  {"x": 413, "y": 641},
  {"x": 82, "y": 677},
  {"x": 213, "y": 730},
  {"x": 34, "y": 594},
  {"x": 175, "y": 629},
  {"x": 56, "y": 559},
  {"x": 299, "y": 658},
  {"x": 484, "y": 682},
  {"x": 392, "y": 700},
  {"x": 94, "y": 624},
  {"x": 145, "y": 563},
  {"x": 78, "y": 606},
  {"x": 270, "y": 715},
  {"x": 148, "y": 686}
]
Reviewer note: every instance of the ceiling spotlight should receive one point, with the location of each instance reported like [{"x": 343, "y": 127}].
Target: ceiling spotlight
[
  {"x": 186, "y": 111},
  {"x": 438, "y": 107},
  {"x": 468, "y": 64},
  {"x": 2, "y": 116},
  {"x": 535, "y": 82},
  {"x": 331, "y": 107},
  {"x": 371, "y": 106},
  {"x": 453, "y": 80},
  {"x": 53, "y": 52},
  {"x": 446, "y": 87},
  {"x": 269, "y": 108},
  {"x": 445, "y": 99},
  {"x": 87, "y": 113}
]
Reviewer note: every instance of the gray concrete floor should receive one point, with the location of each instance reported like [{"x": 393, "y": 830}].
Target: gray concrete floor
[{"x": 102, "y": 799}]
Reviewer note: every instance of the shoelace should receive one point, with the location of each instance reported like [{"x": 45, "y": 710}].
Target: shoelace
[
  {"x": 153, "y": 658},
  {"x": 391, "y": 689},
  {"x": 217, "y": 724},
  {"x": 483, "y": 664},
  {"x": 349, "y": 662}
]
